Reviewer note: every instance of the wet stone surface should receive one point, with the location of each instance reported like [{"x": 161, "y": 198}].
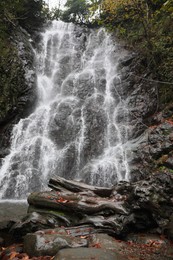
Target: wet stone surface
[{"x": 12, "y": 210}]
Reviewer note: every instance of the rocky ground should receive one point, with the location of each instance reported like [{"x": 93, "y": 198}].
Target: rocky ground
[
  {"x": 78, "y": 221},
  {"x": 97, "y": 246}
]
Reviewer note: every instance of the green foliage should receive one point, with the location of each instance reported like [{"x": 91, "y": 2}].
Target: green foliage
[
  {"x": 165, "y": 169},
  {"x": 27, "y": 13},
  {"x": 77, "y": 11},
  {"x": 146, "y": 26},
  {"x": 32, "y": 15},
  {"x": 55, "y": 14}
]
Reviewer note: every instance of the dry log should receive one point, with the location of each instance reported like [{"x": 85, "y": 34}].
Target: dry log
[{"x": 60, "y": 184}]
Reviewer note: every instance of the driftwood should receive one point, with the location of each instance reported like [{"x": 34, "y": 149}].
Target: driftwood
[
  {"x": 61, "y": 184},
  {"x": 116, "y": 210},
  {"x": 76, "y": 203}
]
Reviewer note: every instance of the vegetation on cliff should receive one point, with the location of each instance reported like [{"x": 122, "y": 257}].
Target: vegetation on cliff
[
  {"x": 29, "y": 15},
  {"x": 145, "y": 25}
]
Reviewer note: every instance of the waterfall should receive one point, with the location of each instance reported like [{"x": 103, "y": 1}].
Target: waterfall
[{"x": 79, "y": 129}]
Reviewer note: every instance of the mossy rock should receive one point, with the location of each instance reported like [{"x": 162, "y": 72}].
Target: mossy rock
[{"x": 16, "y": 59}]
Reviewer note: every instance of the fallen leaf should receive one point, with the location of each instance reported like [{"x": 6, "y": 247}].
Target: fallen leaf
[
  {"x": 97, "y": 245},
  {"x": 12, "y": 255},
  {"x": 83, "y": 236}
]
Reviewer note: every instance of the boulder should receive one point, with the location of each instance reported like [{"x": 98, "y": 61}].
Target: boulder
[
  {"x": 33, "y": 222},
  {"x": 50, "y": 242}
]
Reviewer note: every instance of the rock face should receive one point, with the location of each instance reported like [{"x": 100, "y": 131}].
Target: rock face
[
  {"x": 150, "y": 121},
  {"x": 33, "y": 222},
  {"x": 17, "y": 83},
  {"x": 153, "y": 149}
]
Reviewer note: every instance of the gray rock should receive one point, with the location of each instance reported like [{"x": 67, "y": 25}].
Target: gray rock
[
  {"x": 152, "y": 151},
  {"x": 147, "y": 239},
  {"x": 105, "y": 242},
  {"x": 88, "y": 254},
  {"x": 169, "y": 162},
  {"x": 33, "y": 222},
  {"x": 40, "y": 244}
]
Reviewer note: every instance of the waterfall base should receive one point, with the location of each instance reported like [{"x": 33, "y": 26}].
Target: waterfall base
[{"x": 77, "y": 215}]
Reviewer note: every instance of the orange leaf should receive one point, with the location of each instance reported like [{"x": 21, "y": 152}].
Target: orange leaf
[
  {"x": 12, "y": 255},
  {"x": 83, "y": 236},
  {"x": 169, "y": 121},
  {"x": 97, "y": 245}
]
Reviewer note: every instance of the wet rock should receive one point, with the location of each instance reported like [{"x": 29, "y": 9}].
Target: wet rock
[
  {"x": 88, "y": 254},
  {"x": 152, "y": 151},
  {"x": 6, "y": 224},
  {"x": 40, "y": 244},
  {"x": 18, "y": 83},
  {"x": 151, "y": 200},
  {"x": 33, "y": 222},
  {"x": 84, "y": 85},
  {"x": 148, "y": 239},
  {"x": 169, "y": 228},
  {"x": 5, "y": 236},
  {"x": 169, "y": 161},
  {"x": 1, "y": 241},
  {"x": 95, "y": 119},
  {"x": 127, "y": 60},
  {"x": 62, "y": 218},
  {"x": 105, "y": 241}
]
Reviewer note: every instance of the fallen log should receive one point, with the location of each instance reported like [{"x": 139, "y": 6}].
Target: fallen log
[
  {"x": 142, "y": 205},
  {"x": 78, "y": 203},
  {"x": 75, "y": 186}
]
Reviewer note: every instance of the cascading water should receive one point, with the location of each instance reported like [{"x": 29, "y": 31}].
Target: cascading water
[{"x": 80, "y": 126}]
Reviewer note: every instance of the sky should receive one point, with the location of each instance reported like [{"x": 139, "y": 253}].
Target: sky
[{"x": 55, "y": 3}]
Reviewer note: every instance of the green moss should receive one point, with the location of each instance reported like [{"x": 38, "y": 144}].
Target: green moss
[
  {"x": 165, "y": 169},
  {"x": 58, "y": 213}
]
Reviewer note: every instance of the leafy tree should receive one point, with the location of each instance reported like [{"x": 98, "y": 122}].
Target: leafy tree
[
  {"x": 77, "y": 11},
  {"x": 55, "y": 14},
  {"x": 28, "y": 13},
  {"x": 33, "y": 15},
  {"x": 145, "y": 24}
]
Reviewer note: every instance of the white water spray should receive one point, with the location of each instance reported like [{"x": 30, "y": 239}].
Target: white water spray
[{"x": 75, "y": 131}]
